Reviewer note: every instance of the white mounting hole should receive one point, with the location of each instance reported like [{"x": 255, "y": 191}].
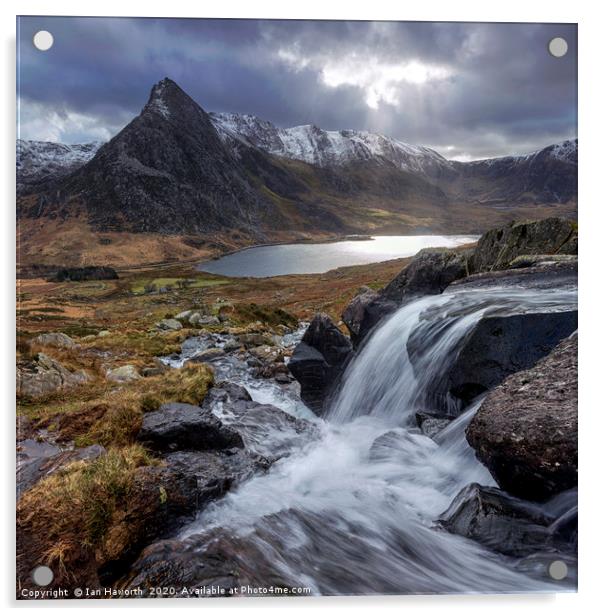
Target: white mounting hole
[
  {"x": 43, "y": 40},
  {"x": 558, "y": 47}
]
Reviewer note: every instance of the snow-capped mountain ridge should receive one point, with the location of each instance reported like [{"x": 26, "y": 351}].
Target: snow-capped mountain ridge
[{"x": 324, "y": 148}]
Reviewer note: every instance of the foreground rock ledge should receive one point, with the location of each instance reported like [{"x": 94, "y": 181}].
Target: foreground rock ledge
[{"x": 526, "y": 429}]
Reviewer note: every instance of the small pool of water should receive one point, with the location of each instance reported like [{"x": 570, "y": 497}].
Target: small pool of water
[{"x": 282, "y": 259}]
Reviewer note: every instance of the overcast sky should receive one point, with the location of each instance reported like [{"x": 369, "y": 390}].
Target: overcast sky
[{"x": 467, "y": 90}]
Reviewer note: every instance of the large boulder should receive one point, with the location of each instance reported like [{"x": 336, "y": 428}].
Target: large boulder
[
  {"x": 502, "y": 345},
  {"x": 45, "y": 376},
  {"x": 54, "y": 339},
  {"x": 319, "y": 360},
  {"x": 506, "y": 524},
  {"x": 177, "y": 426},
  {"x": 497, "y": 248},
  {"x": 525, "y": 431},
  {"x": 353, "y": 314},
  {"x": 430, "y": 272}
]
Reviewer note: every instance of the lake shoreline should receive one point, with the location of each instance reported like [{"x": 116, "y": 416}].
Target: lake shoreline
[{"x": 385, "y": 248}]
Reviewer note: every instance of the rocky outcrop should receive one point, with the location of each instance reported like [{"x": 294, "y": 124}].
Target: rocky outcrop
[
  {"x": 354, "y": 312},
  {"x": 506, "y": 524},
  {"x": 500, "y": 346},
  {"x": 429, "y": 273},
  {"x": 44, "y": 376},
  {"x": 526, "y": 429},
  {"x": 177, "y": 426},
  {"x": 497, "y": 248},
  {"x": 319, "y": 360}
]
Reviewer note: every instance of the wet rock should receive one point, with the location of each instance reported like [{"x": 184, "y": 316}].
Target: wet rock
[
  {"x": 44, "y": 376},
  {"x": 500, "y": 346},
  {"x": 123, "y": 374},
  {"x": 502, "y": 523},
  {"x": 54, "y": 339},
  {"x": 497, "y": 248},
  {"x": 207, "y": 355},
  {"x": 216, "y": 472},
  {"x": 353, "y": 314},
  {"x": 401, "y": 446},
  {"x": 169, "y": 325},
  {"x": 231, "y": 345},
  {"x": 265, "y": 429},
  {"x": 429, "y": 273},
  {"x": 526, "y": 429},
  {"x": 430, "y": 424},
  {"x": 35, "y": 463},
  {"x": 319, "y": 360},
  {"x": 177, "y": 426}
]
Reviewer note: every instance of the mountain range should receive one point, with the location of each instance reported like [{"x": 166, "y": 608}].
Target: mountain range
[{"x": 176, "y": 169}]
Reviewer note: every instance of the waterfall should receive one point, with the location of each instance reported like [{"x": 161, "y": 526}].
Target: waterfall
[{"x": 355, "y": 511}]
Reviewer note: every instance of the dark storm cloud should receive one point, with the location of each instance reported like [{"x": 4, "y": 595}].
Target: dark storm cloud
[{"x": 468, "y": 90}]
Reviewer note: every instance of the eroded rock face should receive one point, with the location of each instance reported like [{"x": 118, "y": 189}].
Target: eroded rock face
[
  {"x": 319, "y": 360},
  {"x": 497, "y": 248},
  {"x": 500, "y": 346},
  {"x": 429, "y": 273},
  {"x": 45, "y": 376},
  {"x": 504, "y": 523},
  {"x": 353, "y": 314},
  {"x": 177, "y": 426},
  {"x": 526, "y": 429}
]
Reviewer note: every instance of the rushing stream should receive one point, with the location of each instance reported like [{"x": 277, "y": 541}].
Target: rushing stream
[{"x": 354, "y": 510}]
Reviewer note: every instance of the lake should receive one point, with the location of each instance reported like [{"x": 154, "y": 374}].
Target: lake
[{"x": 282, "y": 259}]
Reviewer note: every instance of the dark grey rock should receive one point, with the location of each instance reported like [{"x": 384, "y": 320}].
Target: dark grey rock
[
  {"x": 319, "y": 360},
  {"x": 177, "y": 426},
  {"x": 503, "y": 523},
  {"x": 525, "y": 431}
]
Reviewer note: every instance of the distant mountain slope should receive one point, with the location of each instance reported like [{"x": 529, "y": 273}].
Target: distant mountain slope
[
  {"x": 39, "y": 161},
  {"x": 176, "y": 169}
]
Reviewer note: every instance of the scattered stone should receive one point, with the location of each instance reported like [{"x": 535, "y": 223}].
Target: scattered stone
[
  {"x": 525, "y": 432},
  {"x": 198, "y": 320},
  {"x": 169, "y": 325},
  {"x": 319, "y": 360},
  {"x": 44, "y": 376},
  {"x": 207, "y": 355},
  {"x": 55, "y": 339},
  {"x": 184, "y": 316},
  {"x": 177, "y": 426},
  {"x": 156, "y": 369},
  {"x": 104, "y": 333},
  {"x": 123, "y": 374}
]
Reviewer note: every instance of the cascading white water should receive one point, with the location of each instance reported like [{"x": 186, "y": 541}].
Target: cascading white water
[{"x": 354, "y": 512}]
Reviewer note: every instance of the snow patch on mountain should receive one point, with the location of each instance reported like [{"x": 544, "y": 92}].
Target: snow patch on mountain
[
  {"x": 40, "y": 160},
  {"x": 323, "y": 148}
]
